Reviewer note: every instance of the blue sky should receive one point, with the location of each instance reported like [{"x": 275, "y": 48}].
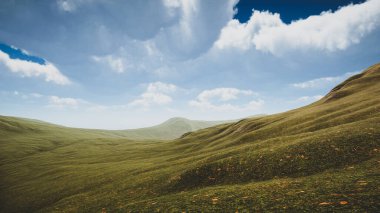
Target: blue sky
[{"x": 127, "y": 64}]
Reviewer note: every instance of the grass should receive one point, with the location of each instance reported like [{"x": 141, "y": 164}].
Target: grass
[
  {"x": 321, "y": 157},
  {"x": 170, "y": 129}
]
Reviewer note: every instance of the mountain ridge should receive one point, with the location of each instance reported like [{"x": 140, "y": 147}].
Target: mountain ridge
[{"x": 164, "y": 131}]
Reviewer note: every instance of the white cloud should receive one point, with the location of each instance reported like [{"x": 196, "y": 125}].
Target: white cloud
[
  {"x": 55, "y": 101},
  {"x": 198, "y": 26},
  {"x": 251, "y": 106},
  {"x": 29, "y": 69},
  {"x": 115, "y": 63},
  {"x": 27, "y": 96},
  {"x": 322, "y": 82},
  {"x": 159, "y": 87},
  {"x": 21, "y": 94},
  {"x": 240, "y": 35},
  {"x": 148, "y": 99},
  {"x": 329, "y": 31},
  {"x": 309, "y": 98},
  {"x": 36, "y": 95},
  {"x": 173, "y": 7},
  {"x": 222, "y": 94},
  {"x": 207, "y": 99},
  {"x": 72, "y": 103},
  {"x": 156, "y": 94}
]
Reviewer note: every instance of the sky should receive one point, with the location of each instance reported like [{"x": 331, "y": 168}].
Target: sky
[{"x": 130, "y": 64}]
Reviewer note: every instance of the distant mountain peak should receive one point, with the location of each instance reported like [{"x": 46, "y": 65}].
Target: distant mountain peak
[{"x": 177, "y": 119}]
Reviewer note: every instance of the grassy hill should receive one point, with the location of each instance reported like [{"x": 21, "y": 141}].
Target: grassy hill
[
  {"x": 170, "y": 129},
  {"x": 323, "y": 157}
]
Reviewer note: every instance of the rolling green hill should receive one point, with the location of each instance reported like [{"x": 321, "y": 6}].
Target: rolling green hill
[
  {"x": 323, "y": 157},
  {"x": 170, "y": 129}
]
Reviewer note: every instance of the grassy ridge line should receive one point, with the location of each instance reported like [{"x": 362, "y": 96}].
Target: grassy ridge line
[
  {"x": 291, "y": 156},
  {"x": 318, "y": 116},
  {"x": 170, "y": 129},
  {"x": 33, "y": 136}
]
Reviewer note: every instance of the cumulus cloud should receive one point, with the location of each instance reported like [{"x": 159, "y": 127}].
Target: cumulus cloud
[
  {"x": 156, "y": 93},
  {"x": 120, "y": 18},
  {"x": 251, "y": 106},
  {"x": 323, "y": 82},
  {"x": 199, "y": 24},
  {"x": 117, "y": 64},
  {"x": 329, "y": 31},
  {"x": 240, "y": 35},
  {"x": 54, "y": 101},
  {"x": 309, "y": 98},
  {"x": 223, "y": 94},
  {"x": 217, "y": 99},
  {"x": 29, "y": 69},
  {"x": 72, "y": 103},
  {"x": 26, "y": 96},
  {"x": 160, "y": 87},
  {"x": 22, "y": 94},
  {"x": 60, "y": 102}
]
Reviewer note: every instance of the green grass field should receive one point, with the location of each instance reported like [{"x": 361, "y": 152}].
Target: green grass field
[
  {"x": 324, "y": 157},
  {"x": 170, "y": 129}
]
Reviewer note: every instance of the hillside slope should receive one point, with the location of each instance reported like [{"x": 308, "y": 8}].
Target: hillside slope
[
  {"x": 321, "y": 157},
  {"x": 170, "y": 129}
]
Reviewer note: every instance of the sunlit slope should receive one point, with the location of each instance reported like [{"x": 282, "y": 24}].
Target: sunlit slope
[
  {"x": 304, "y": 141},
  {"x": 21, "y": 137},
  {"x": 321, "y": 157},
  {"x": 28, "y": 136}
]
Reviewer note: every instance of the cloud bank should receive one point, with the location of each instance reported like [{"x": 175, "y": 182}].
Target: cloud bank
[
  {"x": 156, "y": 93},
  {"x": 217, "y": 99},
  {"x": 329, "y": 31},
  {"x": 115, "y": 63},
  {"x": 29, "y": 69}
]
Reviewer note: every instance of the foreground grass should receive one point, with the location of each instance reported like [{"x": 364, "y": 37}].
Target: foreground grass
[
  {"x": 322, "y": 157},
  {"x": 352, "y": 188}
]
